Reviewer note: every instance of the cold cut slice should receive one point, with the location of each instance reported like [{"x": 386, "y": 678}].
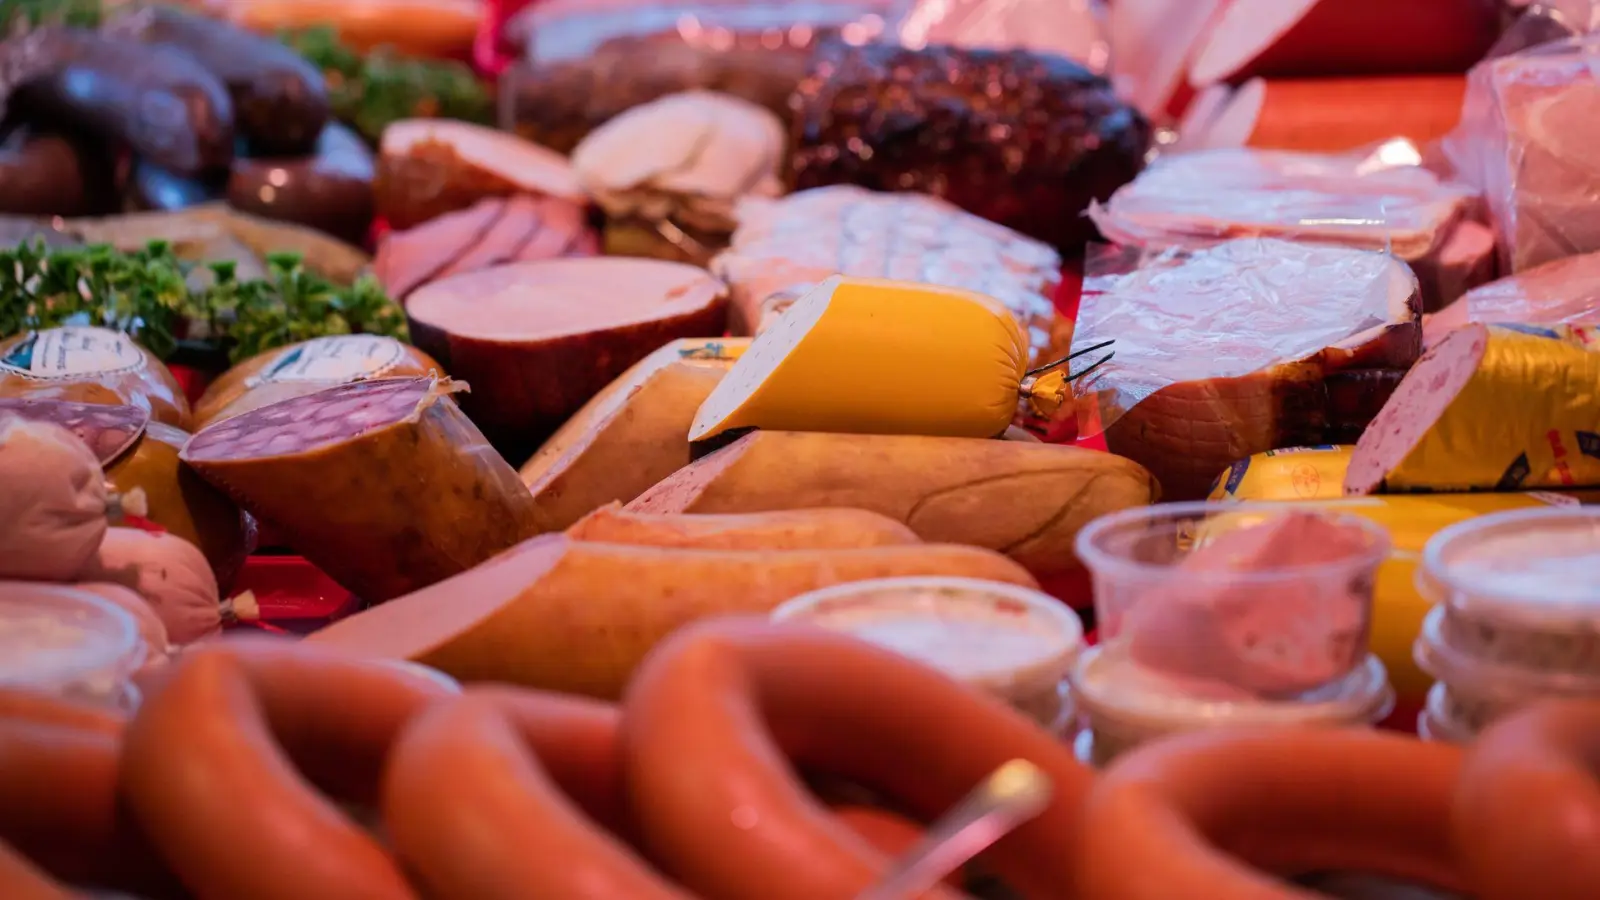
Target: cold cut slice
[
  {"x": 1333, "y": 115},
  {"x": 537, "y": 340},
  {"x": 305, "y": 368},
  {"x": 410, "y": 257},
  {"x": 1534, "y": 776},
  {"x": 567, "y": 615},
  {"x": 90, "y": 365},
  {"x": 631, "y": 435},
  {"x": 714, "y": 712},
  {"x": 428, "y": 167},
  {"x": 384, "y": 484},
  {"x": 492, "y": 833},
  {"x": 1217, "y": 814},
  {"x": 801, "y": 529},
  {"x": 1023, "y": 499},
  {"x": 217, "y": 752}
]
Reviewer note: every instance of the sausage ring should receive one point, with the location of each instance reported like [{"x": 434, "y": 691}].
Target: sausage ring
[
  {"x": 209, "y": 769},
  {"x": 1210, "y": 806},
  {"x": 715, "y": 715},
  {"x": 19, "y": 880},
  {"x": 474, "y": 803},
  {"x": 1527, "y": 816}
]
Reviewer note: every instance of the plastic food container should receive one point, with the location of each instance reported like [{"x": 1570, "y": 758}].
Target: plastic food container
[
  {"x": 70, "y": 644},
  {"x": 1013, "y": 643},
  {"x": 1517, "y": 614}
]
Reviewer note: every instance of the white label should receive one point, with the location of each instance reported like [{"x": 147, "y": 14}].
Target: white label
[
  {"x": 73, "y": 352},
  {"x": 351, "y": 357}
]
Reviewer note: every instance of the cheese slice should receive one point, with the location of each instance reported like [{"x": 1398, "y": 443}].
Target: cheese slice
[{"x": 869, "y": 356}]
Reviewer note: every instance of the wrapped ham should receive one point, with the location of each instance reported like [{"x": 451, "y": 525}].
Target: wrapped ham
[
  {"x": 1236, "y": 349},
  {"x": 1378, "y": 200},
  {"x": 784, "y": 246},
  {"x": 1525, "y": 140}
]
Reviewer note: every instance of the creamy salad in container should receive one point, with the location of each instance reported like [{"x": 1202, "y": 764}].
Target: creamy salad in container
[
  {"x": 1517, "y": 615},
  {"x": 1216, "y": 615},
  {"x": 1011, "y": 642},
  {"x": 68, "y": 643}
]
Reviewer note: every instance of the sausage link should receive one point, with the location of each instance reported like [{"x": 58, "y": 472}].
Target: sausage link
[
  {"x": 1527, "y": 815},
  {"x": 1209, "y": 814},
  {"x": 19, "y": 880},
  {"x": 210, "y": 769},
  {"x": 45, "y": 709},
  {"x": 712, "y": 715},
  {"x": 498, "y": 826}
]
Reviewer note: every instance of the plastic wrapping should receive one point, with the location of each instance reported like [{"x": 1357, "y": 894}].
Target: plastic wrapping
[
  {"x": 1525, "y": 141},
  {"x": 68, "y": 643},
  {"x": 1557, "y": 293},
  {"x": 587, "y": 61}
]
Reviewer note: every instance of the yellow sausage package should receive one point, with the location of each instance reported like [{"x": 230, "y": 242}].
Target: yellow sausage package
[
  {"x": 868, "y": 356},
  {"x": 1293, "y": 473},
  {"x": 1489, "y": 407}
]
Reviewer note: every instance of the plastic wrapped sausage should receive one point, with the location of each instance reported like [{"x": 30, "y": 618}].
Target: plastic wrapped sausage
[
  {"x": 90, "y": 365},
  {"x": 384, "y": 484},
  {"x": 170, "y": 573},
  {"x": 305, "y": 368},
  {"x": 53, "y": 506}
]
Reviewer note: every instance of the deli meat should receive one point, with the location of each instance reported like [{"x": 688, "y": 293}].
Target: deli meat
[
  {"x": 783, "y": 246},
  {"x": 1557, "y": 293},
  {"x": 1227, "y": 351},
  {"x": 384, "y": 484},
  {"x": 1353, "y": 200}
]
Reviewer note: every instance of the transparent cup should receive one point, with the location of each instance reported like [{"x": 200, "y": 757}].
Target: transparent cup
[{"x": 68, "y": 643}]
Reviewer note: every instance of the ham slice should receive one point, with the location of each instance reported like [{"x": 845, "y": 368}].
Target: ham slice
[
  {"x": 1377, "y": 201},
  {"x": 1227, "y": 351}
]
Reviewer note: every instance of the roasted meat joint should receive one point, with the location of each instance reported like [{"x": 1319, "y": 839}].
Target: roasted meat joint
[{"x": 847, "y": 450}]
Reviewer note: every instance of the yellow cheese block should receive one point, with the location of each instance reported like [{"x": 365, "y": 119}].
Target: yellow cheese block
[
  {"x": 1294, "y": 473},
  {"x": 868, "y": 356}
]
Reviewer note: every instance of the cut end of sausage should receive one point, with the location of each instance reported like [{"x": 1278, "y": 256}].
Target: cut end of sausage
[
  {"x": 522, "y": 164},
  {"x": 308, "y": 423},
  {"x": 1417, "y": 403},
  {"x": 109, "y": 431},
  {"x": 1246, "y": 31},
  {"x": 529, "y": 302},
  {"x": 678, "y": 492}
]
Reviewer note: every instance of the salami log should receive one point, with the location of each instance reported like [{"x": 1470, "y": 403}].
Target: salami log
[
  {"x": 537, "y": 340},
  {"x": 1025, "y": 500},
  {"x": 566, "y": 615},
  {"x": 90, "y": 365},
  {"x": 384, "y": 484},
  {"x": 305, "y": 368},
  {"x": 137, "y": 453}
]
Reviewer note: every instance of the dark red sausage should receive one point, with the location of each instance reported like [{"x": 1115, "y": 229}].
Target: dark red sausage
[{"x": 330, "y": 190}]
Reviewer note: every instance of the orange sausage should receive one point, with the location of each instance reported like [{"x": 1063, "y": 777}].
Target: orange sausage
[
  {"x": 1527, "y": 816},
  {"x": 713, "y": 714},
  {"x": 210, "y": 769},
  {"x": 476, "y": 816},
  {"x": 45, "y": 709},
  {"x": 1189, "y": 816},
  {"x": 19, "y": 880},
  {"x": 792, "y": 529}
]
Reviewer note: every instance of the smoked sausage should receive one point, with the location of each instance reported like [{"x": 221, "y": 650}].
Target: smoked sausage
[
  {"x": 1190, "y": 816},
  {"x": 800, "y": 529},
  {"x": 713, "y": 713},
  {"x": 19, "y": 880},
  {"x": 88, "y": 364},
  {"x": 1528, "y": 805},
  {"x": 329, "y": 189},
  {"x": 216, "y": 753}
]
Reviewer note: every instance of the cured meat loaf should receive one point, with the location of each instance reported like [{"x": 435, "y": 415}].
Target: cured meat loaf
[
  {"x": 1023, "y": 499},
  {"x": 135, "y": 452},
  {"x": 574, "y": 616},
  {"x": 383, "y": 484},
  {"x": 537, "y": 340},
  {"x": 1226, "y": 352},
  {"x": 305, "y": 368},
  {"x": 783, "y": 246},
  {"x": 633, "y": 433},
  {"x": 90, "y": 365}
]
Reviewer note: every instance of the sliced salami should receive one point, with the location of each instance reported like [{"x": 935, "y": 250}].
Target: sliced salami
[
  {"x": 384, "y": 484},
  {"x": 109, "y": 431}
]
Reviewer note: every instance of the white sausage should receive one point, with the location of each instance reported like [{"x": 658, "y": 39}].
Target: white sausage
[
  {"x": 52, "y": 502},
  {"x": 170, "y": 573}
]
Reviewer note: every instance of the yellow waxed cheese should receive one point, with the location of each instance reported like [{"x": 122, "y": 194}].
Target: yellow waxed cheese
[{"x": 868, "y": 356}]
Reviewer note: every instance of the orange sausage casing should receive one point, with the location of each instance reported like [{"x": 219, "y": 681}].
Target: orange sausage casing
[
  {"x": 384, "y": 484},
  {"x": 305, "y": 368},
  {"x": 567, "y": 615},
  {"x": 799, "y": 529},
  {"x": 90, "y": 365}
]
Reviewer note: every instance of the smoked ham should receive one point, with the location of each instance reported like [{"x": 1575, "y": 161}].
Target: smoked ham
[
  {"x": 574, "y": 616},
  {"x": 537, "y": 340},
  {"x": 1023, "y": 499}
]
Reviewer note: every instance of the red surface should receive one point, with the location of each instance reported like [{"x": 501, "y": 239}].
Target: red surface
[
  {"x": 490, "y": 55},
  {"x": 193, "y": 381}
]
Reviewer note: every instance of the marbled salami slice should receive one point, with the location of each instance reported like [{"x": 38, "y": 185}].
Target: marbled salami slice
[
  {"x": 110, "y": 431},
  {"x": 384, "y": 484}
]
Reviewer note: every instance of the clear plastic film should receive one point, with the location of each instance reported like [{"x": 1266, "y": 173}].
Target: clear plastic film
[
  {"x": 588, "y": 60},
  {"x": 1525, "y": 141},
  {"x": 1236, "y": 309}
]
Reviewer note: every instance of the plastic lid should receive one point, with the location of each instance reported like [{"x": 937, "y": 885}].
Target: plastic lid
[
  {"x": 1113, "y": 689},
  {"x": 1475, "y": 675},
  {"x": 1530, "y": 569},
  {"x": 999, "y": 637},
  {"x": 62, "y": 640},
  {"x": 1434, "y": 722}
]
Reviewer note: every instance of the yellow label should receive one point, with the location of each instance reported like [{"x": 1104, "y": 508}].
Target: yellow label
[{"x": 1293, "y": 473}]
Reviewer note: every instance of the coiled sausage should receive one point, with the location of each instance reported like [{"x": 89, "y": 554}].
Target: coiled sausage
[
  {"x": 1191, "y": 815},
  {"x": 713, "y": 714},
  {"x": 1527, "y": 816},
  {"x": 211, "y": 760}
]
